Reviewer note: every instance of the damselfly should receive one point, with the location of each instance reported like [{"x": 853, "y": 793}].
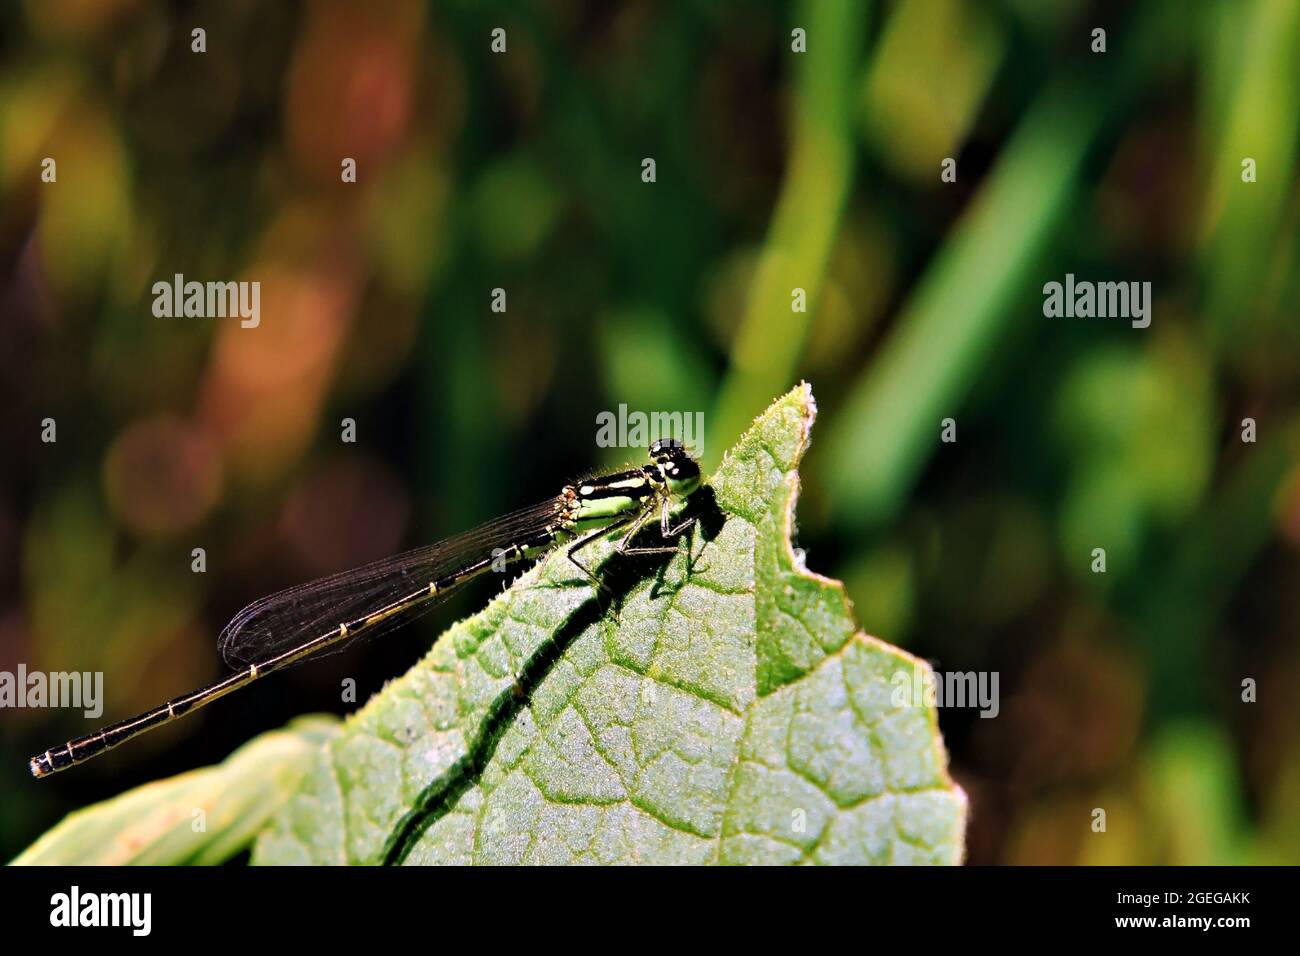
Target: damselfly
[{"x": 324, "y": 615}]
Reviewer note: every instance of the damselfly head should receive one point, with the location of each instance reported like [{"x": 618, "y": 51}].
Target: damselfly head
[
  {"x": 664, "y": 450},
  {"x": 677, "y": 465}
]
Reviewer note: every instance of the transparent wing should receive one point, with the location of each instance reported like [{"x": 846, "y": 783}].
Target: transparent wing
[{"x": 289, "y": 618}]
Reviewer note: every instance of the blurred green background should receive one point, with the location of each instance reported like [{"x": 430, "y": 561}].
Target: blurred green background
[{"x": 775, "y": 170}]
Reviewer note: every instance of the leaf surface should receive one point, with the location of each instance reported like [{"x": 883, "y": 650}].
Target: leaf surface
[{"x": 719, "y": 707}]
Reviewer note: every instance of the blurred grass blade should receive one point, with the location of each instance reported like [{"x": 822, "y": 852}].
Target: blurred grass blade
[
  {"x": 802, "y": 235},
  {"x": 958, "y": 313},
  {"x": 1194, "y": 786},
  {"x": 1185, "y": 602},
  {"x": 1253, "y": 61}
]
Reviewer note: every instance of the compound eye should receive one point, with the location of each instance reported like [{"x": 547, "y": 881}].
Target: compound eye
[{"x": 665, "y": 447}]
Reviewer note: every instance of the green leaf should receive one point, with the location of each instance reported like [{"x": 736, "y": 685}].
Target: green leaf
[
  {"x": 158, "y": 823},
  {"x": 720, "y": 707}
]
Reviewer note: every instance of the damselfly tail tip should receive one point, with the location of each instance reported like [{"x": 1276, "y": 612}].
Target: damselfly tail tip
[{"x": 40, "y": 766}]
